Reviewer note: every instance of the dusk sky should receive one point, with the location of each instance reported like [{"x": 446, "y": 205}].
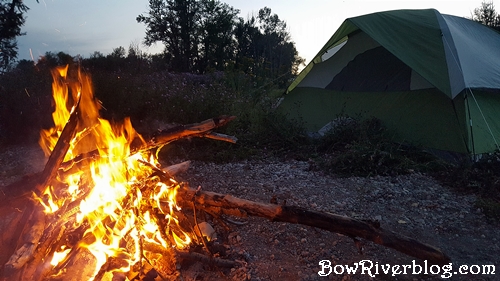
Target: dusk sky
[{"x": 82, "y": 27}]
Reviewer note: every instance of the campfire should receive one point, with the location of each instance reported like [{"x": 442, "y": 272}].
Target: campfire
[
  {"x": 123, "y": 203},
  {"x": 104, "y": 208},
  {"x": 105, "y": 195}
]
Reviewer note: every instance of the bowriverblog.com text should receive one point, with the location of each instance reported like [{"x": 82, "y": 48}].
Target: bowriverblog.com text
[{"x": 372, "y": 269}]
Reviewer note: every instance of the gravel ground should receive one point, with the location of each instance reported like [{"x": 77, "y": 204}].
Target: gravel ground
[{"x": 414, "y": 205}]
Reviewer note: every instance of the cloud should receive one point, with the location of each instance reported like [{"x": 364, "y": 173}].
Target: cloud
[
  {"x": 79, "y": 28},
  {"x": 82, "y": 43}
]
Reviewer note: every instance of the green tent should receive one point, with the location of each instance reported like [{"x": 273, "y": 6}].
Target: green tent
[{"x": 432, "y": 79}]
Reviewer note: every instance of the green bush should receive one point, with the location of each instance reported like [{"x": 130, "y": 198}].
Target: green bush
[{"x": 364, "y": 148}]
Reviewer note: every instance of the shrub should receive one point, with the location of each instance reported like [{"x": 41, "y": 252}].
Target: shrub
[{"x": 356, "y": 147}]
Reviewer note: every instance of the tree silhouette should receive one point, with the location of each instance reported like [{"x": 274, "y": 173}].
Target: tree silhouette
[
  {"x": 487, "y": 15},
  {"x": 206, "y": 35},
  {"x": 173, "y": 22},
  {"x": 11, "y": 21},
  {"x": 216, "y": 40},
  {"x": 265, "y": 49}
]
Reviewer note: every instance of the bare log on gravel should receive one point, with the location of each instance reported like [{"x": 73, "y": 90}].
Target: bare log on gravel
[{"x": 327, "y": 221}]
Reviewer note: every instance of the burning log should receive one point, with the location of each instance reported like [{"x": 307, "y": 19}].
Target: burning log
[
  {"x": 202, "y": 129},
  {"x": 100, "y": 192},
  {"x": 327, "y": 221},
  {"x": 61, "y": 148}
]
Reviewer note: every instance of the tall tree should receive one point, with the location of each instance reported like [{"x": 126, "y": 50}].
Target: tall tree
[
  {"x": 265, "y": 47},
  {"x": 11, "y": 21},
  {"x": 173, "y": 22},
  {"x": 487, "y": 15},
  {"x": 202, "y": 35},
  {"x": 197, "y": 34},
  {"x": 217, "y": 45}
]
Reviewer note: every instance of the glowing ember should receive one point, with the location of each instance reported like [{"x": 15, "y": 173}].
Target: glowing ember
[
  {"x": 59, "y": 256},
  {"x": 116, "y": 197}
]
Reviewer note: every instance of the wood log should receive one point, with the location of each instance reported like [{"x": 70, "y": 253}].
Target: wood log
[
  {"x": 177, "y": 168},
  {"x": 196, "y": 129},
  {"x": 202, "y": 129},
  {"x": 26, "y": 185},
  {"x": 327, "y": 221},
  {"x": 61, "y": 148}
]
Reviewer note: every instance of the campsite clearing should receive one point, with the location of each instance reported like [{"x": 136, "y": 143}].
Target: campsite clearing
[{"x": 414, "y": 205}]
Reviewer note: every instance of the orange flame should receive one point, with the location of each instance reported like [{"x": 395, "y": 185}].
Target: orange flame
[{"x": 114, "y": 207}]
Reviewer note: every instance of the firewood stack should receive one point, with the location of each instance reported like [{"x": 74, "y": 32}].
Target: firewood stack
[{"x": 40, "y": 235}]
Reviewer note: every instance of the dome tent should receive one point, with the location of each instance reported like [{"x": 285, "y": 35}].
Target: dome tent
[{"x": 432, "y": 79}]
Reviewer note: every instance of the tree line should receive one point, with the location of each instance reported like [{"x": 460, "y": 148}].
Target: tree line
[
  {"x": 202, "y": 35},
  {"x": 199, "y": 36}
]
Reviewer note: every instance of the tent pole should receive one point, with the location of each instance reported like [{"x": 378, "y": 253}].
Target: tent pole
[
  {"x": 458, "y": 121},
  {"x": 470, "y": 124},
  {"x": 484, "y": 118}
]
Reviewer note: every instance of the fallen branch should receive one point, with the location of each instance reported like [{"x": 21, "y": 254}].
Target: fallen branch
[
  {"x": 331, "y": 222},
  {"x": 177, "y": 168}
]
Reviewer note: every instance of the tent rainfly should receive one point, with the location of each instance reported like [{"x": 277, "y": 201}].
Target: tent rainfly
[{"x": 432, "y": 79}]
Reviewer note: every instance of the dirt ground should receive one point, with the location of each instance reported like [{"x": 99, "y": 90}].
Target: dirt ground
[{"x": 414, "y": 205}]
